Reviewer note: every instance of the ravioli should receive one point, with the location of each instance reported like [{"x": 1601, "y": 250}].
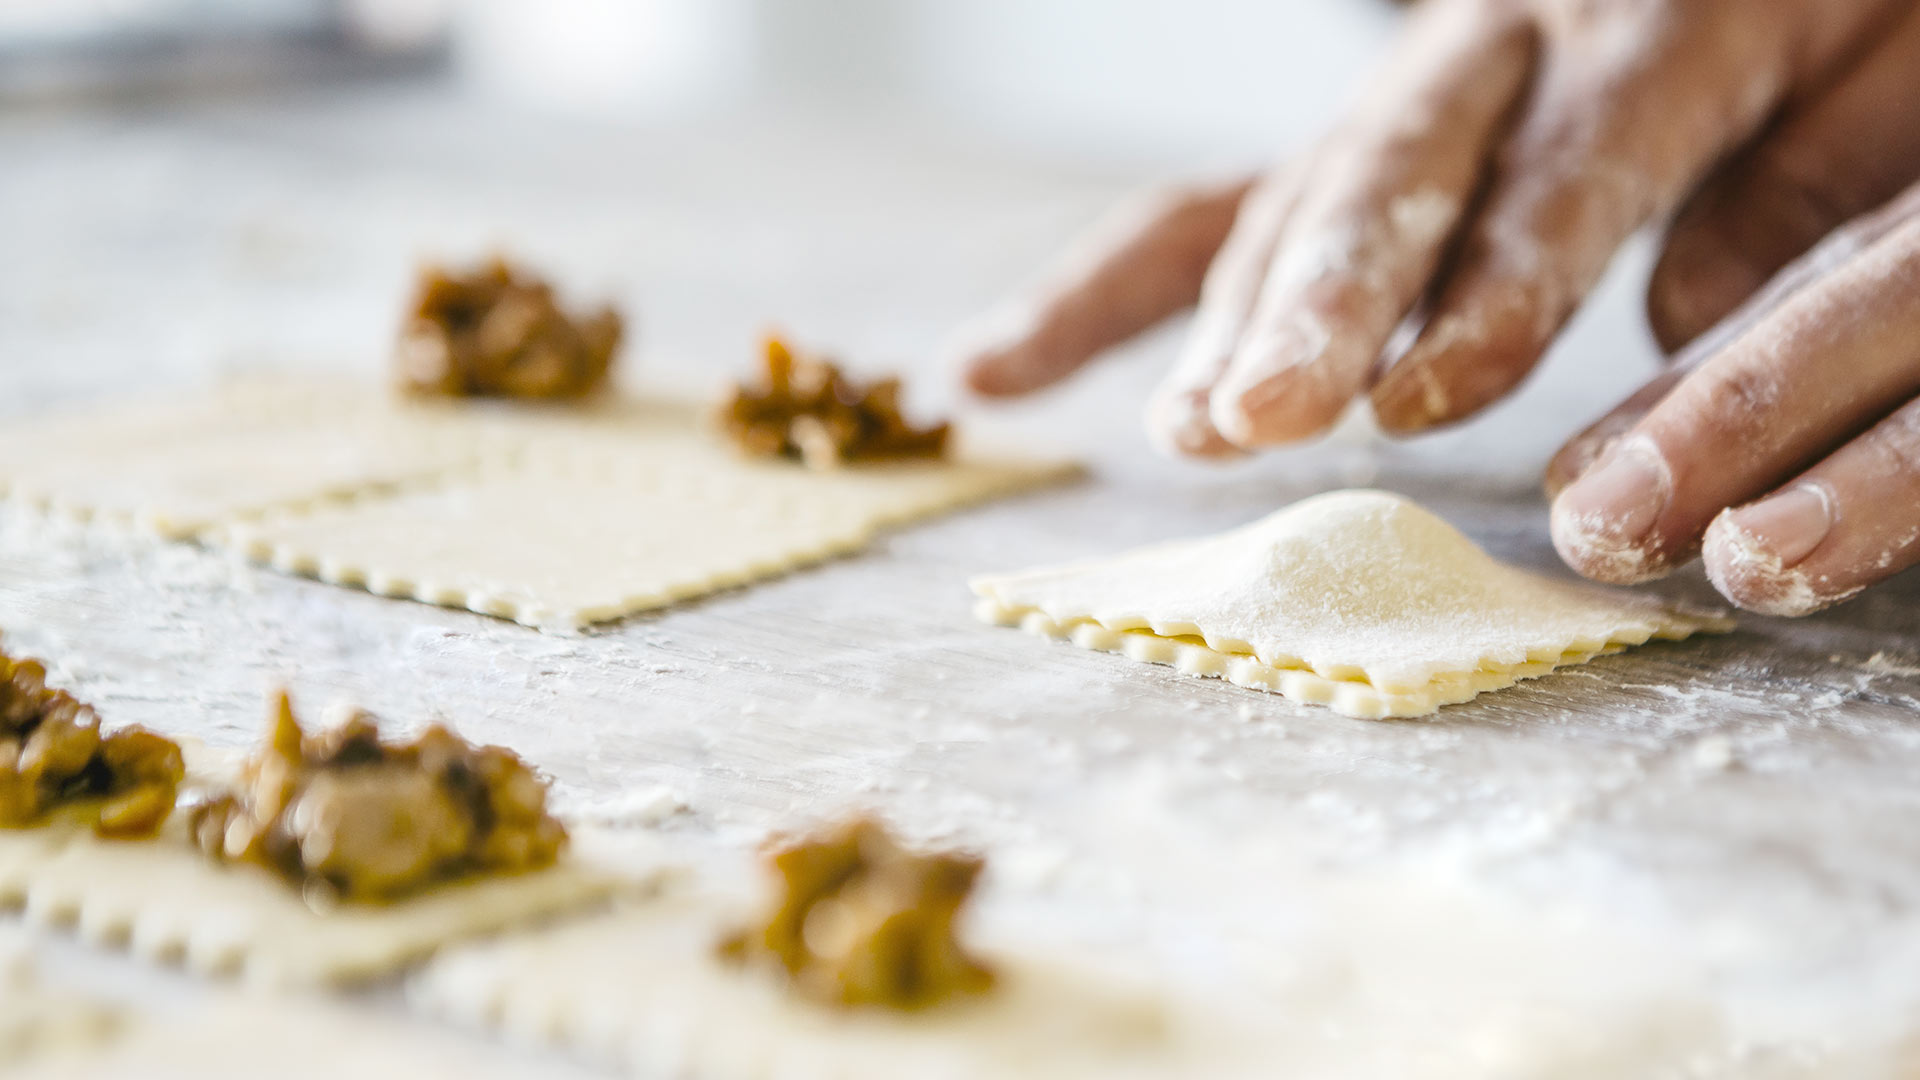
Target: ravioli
[{"x": 1358, "y": 600}]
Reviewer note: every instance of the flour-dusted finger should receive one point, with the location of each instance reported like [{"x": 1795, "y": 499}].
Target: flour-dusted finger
[
  {"x": 1849, "y": 522},
  {"x": 1842, "y": 152},
  {"x": 1825, "y": 365},
  {"x": 1839, "y": 247},
  {"x": 1384, "y": 196},
  {"x": 1140, "y": 266},
  {"x": 1634, "y": 105},
  {"x": 1177, "y": 418}
]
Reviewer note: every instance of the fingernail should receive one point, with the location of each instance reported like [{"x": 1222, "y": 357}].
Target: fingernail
[
  {"x": 1277, "y": 389},
  {"x": 1787, "y": 526},
  {"x": 1603, "y": 521},
  {"x": 1409, "y": 399}
]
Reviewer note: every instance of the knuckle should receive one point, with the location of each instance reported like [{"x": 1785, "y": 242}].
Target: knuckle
[
  {"x": 1732, "y": 402},
  {"x": 1897, "y": 440}
]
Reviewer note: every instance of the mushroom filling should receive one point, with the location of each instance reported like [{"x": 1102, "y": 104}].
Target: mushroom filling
[
  {"x": 53, "y": 758},
  {"x": 863, "y": 921},
  {"x": 345, "y": 813},
  {"x": 497, "y": 332},
  {"x": 804, "y": 408}
]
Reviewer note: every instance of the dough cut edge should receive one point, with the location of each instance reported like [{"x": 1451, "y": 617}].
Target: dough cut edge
[
  {"x": 70, "y": 881},
  {"x": 1348, "y": 696},
  {"x": 986, "y": 482},
  {"x": 672, "y": 1008}
]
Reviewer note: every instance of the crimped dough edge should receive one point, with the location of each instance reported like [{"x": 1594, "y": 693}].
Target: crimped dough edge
[{"x": 1345, "y": 690}]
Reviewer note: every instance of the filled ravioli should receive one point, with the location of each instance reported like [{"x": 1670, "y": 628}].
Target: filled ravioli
[{"x": 1360, "y": 600}]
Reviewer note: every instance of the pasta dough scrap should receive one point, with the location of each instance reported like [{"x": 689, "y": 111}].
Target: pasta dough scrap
[
  {"x": 607, "y": 517},
  {"x": 1358, "y": 600},
  {"x": 641, "y": 989},
  {"x": 178, "y": 465},
  {"x": 166, "y": 901}
]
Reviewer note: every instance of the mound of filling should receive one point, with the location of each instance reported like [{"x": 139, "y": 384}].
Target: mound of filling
[
  {"x": 863, "y": 921},
  {"x": 497, "y": 332},
  {"x": 805, "y": 408},
  {"x": 55, "y": 760},
  {"x": 342, "y": 813}
]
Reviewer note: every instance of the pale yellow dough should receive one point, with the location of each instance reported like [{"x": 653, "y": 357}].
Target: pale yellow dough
[
  {"x": 554, "y": 516},
  {"x": 180, "y": 464},
  {"x": 618, "y": 512},
  {"x": 1357, "y": 600},
  {"x": 283, "y": 1036},
  {"x": 38, "y": 1021},
  {"x": 166, "y": 901},
  {"x": 641, "y": 989}
]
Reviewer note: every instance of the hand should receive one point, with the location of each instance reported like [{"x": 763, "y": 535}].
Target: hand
[
  {"x": 1806, "y": 401},
  {"x": 1481, "y": 188}
]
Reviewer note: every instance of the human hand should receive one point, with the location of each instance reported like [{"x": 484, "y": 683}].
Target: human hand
[{"x": 1786, "y": 441}]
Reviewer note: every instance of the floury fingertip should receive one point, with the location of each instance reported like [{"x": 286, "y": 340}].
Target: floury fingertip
[{"x": 1605, "y": 524}]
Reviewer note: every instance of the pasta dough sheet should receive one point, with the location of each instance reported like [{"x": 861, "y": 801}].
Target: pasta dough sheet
[
  {"x": 641, "y": 989},
  {"x": 38, "y": 1021},
  {"x": 608, "y": 517},
  {"x": 167, "y": 902},
  {"x": 285, "y": 1036},
  {"x": 178, "y": 465},
  {"x": 1357, "y": 600}
]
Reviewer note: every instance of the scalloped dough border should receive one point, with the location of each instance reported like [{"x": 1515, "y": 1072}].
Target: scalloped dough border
[
  {"x": 166, "y": 903},
  {"x": 639, "y": 989},
  {"x": 412, "y": 545},
  {"x": 179, "y": 464},
  {"x": 1347, "y": 696}
]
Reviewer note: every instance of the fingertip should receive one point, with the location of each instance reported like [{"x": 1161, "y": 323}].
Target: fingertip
[
  {"x": 1288, "y": 387},
  {"x": 1754, "y": 553},
  {"x": 1178, "y": 425},
  {"x": 1406, "y": 403},
  {"x": 1414, "y": 395},
  {"x": 1287, "y": 406},
  {"x": 1606, "y": 524},
  {"x": 992, "y": 375}
]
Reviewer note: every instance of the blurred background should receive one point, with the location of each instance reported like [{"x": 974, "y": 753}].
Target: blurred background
[
  {"x": 1130, "y": 78},
  {"x": 193, "y": 186}
]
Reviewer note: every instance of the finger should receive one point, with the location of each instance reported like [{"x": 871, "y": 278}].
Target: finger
[
  {"x": 1370, "y": 227},
  {"x": 1177, "y": 419},
  {"x": 1845, "y": 524},
  {"x": 1830, "y": 158},
  {"x": 1142, "y": 265},
  {"x": 1607, "y": 144},
  {"x": 1833, "y": 359},
  {"x": 1836, "y": 250}
]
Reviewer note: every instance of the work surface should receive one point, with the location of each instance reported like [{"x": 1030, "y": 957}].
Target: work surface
[{"x": 1719, "y": 830}]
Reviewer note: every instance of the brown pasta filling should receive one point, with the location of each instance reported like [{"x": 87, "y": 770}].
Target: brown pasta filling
[
  {"x": 863, "y": 921},
  {"x": 805, "y": 408},
  {"x": 497, "y": 332},
  {"x": 350, "y": 816},
  {"x": 55, "y": 760}
]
